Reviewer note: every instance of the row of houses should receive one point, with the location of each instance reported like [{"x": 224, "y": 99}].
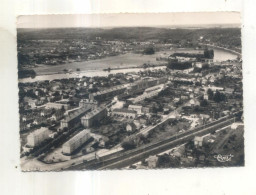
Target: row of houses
[{"x": 107, "y": 93}]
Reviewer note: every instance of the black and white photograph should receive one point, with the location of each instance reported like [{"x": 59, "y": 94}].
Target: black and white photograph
[{"x": 130, "y": 91}]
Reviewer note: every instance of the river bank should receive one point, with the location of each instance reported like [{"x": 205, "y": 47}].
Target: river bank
[
  {"x": 119, "y": 64},
  {"x": 89, "y": 73},
  {"x": 223, "y": 48}
]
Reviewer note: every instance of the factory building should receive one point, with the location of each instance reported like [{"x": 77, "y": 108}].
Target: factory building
[
  {"x": 108, "y": 93},
  {"x": 94, "y": 117},
  {"x": 149, "y": 92},
  {"x": 75, "y": 142},
  {"x": 140, "y": 85},
  {"x": 74, "y": 117},
  {"x": 88, "y": 102},
  {"x": 37, "y": 137},
  {"x": 57, "y": 105},
  {"x": 124, "y": 113},
  {"x": 136, "y": 108},
  {"x": 144, "y": 96}
]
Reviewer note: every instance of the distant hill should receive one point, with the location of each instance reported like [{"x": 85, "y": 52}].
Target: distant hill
[{"x": 223, "y": 35}]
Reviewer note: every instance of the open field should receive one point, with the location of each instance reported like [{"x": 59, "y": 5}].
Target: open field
[
  {"x": 123, "y": 61},
  {"x": 126, "y": 61}
]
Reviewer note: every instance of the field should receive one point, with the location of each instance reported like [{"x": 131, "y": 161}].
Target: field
[
  {"x": 121, "y": 61},
  {"x": 125, "y": 60}
]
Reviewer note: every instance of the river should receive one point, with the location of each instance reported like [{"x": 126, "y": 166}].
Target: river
[
  {"x": 219, "y": 55},
  {"x": 88, "y": 73},
  {"x": 223, "y": 55}
]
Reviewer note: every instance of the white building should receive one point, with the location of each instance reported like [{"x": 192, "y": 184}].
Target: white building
[
  {"x": 93, "y": 117},
  {"x": 37, "y": 137},
  {"x": 136, "y": 108},
  {"x": 75, "y": 142}
]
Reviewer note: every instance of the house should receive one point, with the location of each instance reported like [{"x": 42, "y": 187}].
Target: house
[
  {"x": 166, "y": 110},
  {"x": 152, "y": 161},
  {"x": 138, "y": 123},
  {"x": 204, "y": 116},
  {"x": 229, "y": 90},
  {"x": 130, "y": 127},
  {"x": 206, "y": 97},
  {"x": 239, "y": 126},
  {"x": 124, "y": 113},
  {"x": 201, "y": 158},
  {"x": 193, "y": 103},
  {"x": 191, "y": 95},
  {"x": 32, "y": 103},
  {"x": 146, "y": 109},
  {"x": 136, "y": 108},
  {"x": 199, "y": 64},
  {"x": 174, "y": 115},
  {"x": 176, "y": 100},
  {"x": 102, "y": 143},
  {"x": 198, "y": 141},
  {"x": 58, "y": 115}
]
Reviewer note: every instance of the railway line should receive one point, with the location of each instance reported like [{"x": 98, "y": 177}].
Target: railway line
[{"x": 122, "y": 159}]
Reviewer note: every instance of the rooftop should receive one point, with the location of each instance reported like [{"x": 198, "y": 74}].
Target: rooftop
[
  {"x": 75, "y": 114},
  {"x": 94, "y": 112},
  {"x": 39, "y": 131},
  {"x": 124, "y": 110},
  {"x": 199, "y": 139},
  {"x": 78, "y": 136}
]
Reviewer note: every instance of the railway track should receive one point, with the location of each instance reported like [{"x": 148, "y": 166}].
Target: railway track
[{"x": 122, "y": 159}]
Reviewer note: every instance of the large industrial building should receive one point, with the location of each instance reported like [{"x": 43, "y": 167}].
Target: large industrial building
[
  {"x": 136, "y": 108},
  {"x": 88, "y": 102},
  {"x": 75, "y": 142},
  {"x": 37, "y": 137},
  {"x": 124, "y": 113},
  {"x": 94, "y": 116},
  {"x": 57, "y": 105},
  {"x": 149, "y": 93},
  {"x": 108, "y": 93},
  {"x": 145, "y": 83},
  {"x": 74, "y": 117}
]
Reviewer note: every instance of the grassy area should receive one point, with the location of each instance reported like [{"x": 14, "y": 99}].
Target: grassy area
[
  {"x": 168, "y": 130},
  {"x": 122, "y": 61},
  {"x": 114, "y": 130},
  {"x": 230, "y": 142}
]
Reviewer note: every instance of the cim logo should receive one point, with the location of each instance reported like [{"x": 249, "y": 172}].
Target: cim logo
[{"x": 223, "y": 158}]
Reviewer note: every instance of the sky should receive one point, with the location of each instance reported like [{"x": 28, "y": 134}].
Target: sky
[{"x": 129, "y": 20}]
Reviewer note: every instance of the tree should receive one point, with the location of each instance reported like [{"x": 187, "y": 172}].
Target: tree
[
  {"x": 210, "y": 94},
  {"x": 197, "y": 108},
  {"x": 209, "y": 53},
  {"x": 179, "y": 65},
  {"x": 128, "y": 144},
  {"x": 62, "y": 109},
  {"x": 204, "y": 103},
  {"x": 149, "y": 51},
  {"x": 218, "y": 97},
  {"x": 26, "y": 73}
]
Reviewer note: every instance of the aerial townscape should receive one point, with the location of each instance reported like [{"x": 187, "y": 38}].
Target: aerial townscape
[{"x": 130, "y": 98}]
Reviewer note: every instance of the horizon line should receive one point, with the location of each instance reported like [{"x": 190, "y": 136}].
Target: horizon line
[{"x": 181, "y": 26}]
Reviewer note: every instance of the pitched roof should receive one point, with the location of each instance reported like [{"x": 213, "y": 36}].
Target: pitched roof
[
  {"x": 124, "y": 110},
  {"x": 199, "y": 139}
]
